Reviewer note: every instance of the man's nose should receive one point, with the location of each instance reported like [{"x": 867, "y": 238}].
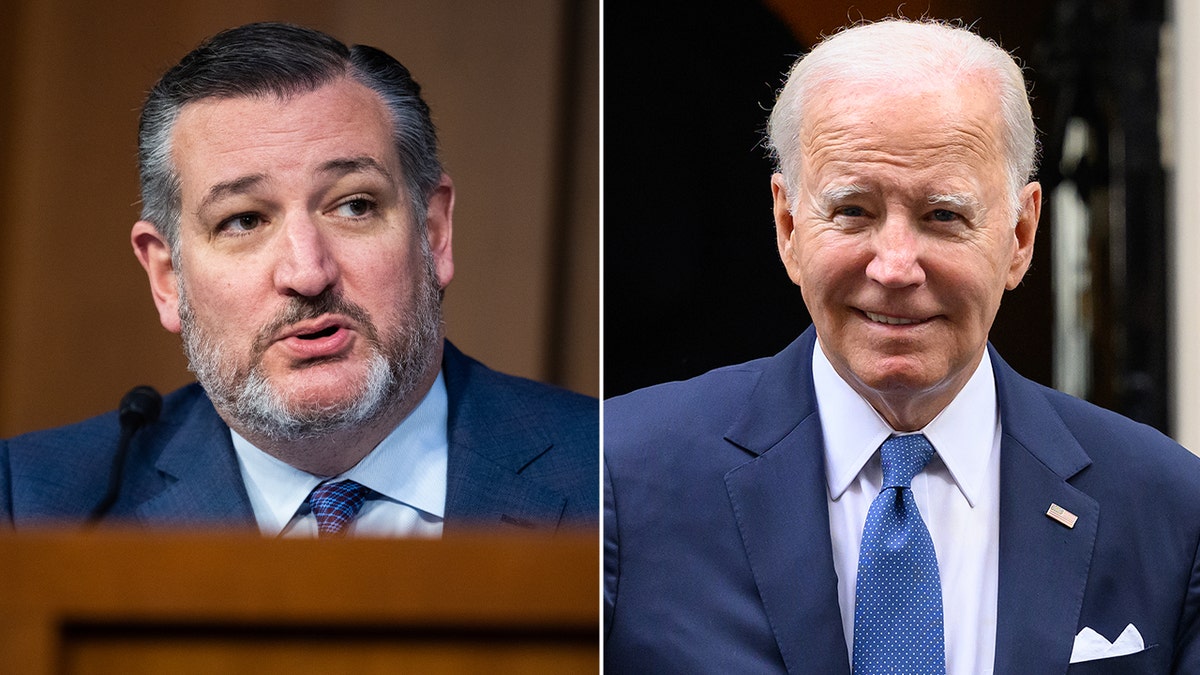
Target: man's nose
[
  {"x": 896, "y": 262},
  {"x": 305, "y": 264}
]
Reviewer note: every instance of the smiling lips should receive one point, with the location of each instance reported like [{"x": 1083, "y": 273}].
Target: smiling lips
[{"x": 891, "y": 320}]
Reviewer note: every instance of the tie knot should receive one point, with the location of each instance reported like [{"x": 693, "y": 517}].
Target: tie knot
[
  {"x": 336, "y": 504},
  {"x": 903, "y": 457}
]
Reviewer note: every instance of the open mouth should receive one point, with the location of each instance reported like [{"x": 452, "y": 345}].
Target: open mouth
[{"x": 325, "y": 332}]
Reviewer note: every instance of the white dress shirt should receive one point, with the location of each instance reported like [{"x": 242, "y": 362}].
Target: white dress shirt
[
  {"x": 406, "y": 471},
  {"x": 958, "y": 495}
]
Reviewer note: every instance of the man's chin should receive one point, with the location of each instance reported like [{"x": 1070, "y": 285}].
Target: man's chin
[
  {"x": 326, "y": 380},
  {"x": 304, "y": 396},
  {"x": 306, "y": 404},
  {"x": 294, "y": 418},
  {"x": 885, "y": 373}
]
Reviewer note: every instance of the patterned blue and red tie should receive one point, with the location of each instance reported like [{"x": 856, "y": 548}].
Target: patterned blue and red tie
[
  {"x": 335, "y": 505},
  {"x": 898, "y": 626}
]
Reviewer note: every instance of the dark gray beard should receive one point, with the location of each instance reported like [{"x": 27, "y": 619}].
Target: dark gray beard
[{"x": 396, "y": 366}]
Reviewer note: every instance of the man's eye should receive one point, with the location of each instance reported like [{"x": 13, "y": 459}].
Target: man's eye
[
  {"x": 944, "y": 216},
  {"x": 243, "y": 222},
  {"x": 850, "y": 211},
  {"x": 355, "y": 208}
]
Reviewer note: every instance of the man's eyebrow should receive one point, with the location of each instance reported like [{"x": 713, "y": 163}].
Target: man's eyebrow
[
  {"x": 230, "y": 188},
  {"x": 957, "y": 200},
  {"x": 841, "y": 193},
  {"x": 344, "y": 166}
]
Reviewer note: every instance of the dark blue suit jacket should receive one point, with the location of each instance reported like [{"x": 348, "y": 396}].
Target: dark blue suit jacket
[
  {"x": 521, "y": 454},
  {"x": 717, "y": 547}
]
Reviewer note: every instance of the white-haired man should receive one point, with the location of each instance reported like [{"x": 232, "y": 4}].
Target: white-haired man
[{"x": 886, "y": 494}]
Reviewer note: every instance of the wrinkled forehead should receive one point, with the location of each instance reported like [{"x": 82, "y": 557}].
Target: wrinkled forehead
[
  {"x": 974, "y": 93},
  {"x": 954, "y": 116}
]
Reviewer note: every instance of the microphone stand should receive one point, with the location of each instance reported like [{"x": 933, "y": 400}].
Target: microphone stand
[{"x": 138, "y": 408}]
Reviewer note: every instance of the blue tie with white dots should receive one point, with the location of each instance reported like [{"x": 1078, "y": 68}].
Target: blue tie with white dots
[{"x": 898, "y": 601}]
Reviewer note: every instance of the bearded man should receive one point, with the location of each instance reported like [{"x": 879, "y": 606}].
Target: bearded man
[{"x": 296, "y": 231}]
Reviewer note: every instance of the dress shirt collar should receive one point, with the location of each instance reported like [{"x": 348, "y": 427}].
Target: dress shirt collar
[
  {"x": 408, "y": 466},
  {"x": 962, "y": 434}
]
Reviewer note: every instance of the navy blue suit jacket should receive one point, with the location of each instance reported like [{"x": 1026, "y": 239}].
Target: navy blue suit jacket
[
  {"x": 521, "y": 454},
  {"x": 717, "y": 547}
]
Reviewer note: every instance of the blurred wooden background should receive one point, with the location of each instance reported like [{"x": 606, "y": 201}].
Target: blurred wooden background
[{"x": 514, "y": 88}]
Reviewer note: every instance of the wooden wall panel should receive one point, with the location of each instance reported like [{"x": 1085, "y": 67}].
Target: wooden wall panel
[
  {"x": 78, "y": 327},
  {"x": 579, "y": 334}
]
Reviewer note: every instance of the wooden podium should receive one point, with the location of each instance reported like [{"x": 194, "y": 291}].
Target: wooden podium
[{"x": 115, "y": 602}]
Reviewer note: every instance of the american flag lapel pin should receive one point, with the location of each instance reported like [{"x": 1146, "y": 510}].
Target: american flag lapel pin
[{"x": 1062, "y": 515}]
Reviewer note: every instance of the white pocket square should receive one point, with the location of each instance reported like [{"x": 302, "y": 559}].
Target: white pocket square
[{"x": 1090, "y": 645}]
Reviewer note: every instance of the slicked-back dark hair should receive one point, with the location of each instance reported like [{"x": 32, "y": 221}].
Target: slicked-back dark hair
[{"x": 278, "y": 59}]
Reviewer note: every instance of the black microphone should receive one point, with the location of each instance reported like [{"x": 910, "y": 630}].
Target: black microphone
[{"x": 138, "y": 408}]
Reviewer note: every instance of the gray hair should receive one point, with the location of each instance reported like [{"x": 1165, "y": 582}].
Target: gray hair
[
  {"x": 879, "y": 53},
  {"x": 276, "y": 59}
]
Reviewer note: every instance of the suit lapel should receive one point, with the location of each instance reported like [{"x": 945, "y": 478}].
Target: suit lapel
[
  {"x": 1043, "y": 564},
  {"x": 204, "y": 483},
  {"x": 489, "y": 445},
  {"x": 779, "y": 499}
]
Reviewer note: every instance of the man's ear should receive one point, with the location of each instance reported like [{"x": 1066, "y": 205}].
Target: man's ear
[
  {"x": 1025, "y": 232},
  {"x": 154, "y": 254},
  {"x": 785, "y": 226},
  {"x": 439, "y": 229}
]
